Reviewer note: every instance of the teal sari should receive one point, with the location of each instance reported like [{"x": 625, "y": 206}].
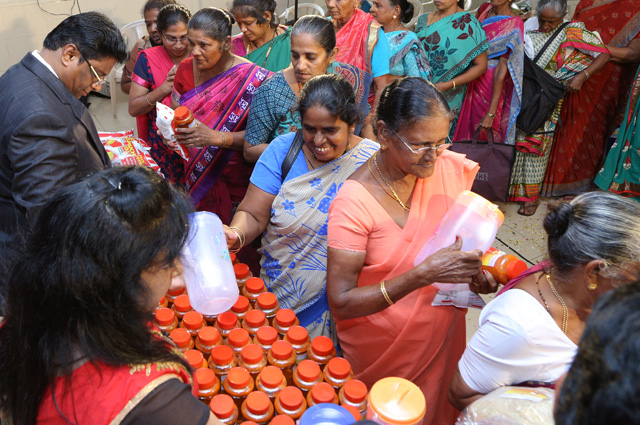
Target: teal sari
[
  {"x": 275, "y": 55},
  {"x": 408, "y": 58}
]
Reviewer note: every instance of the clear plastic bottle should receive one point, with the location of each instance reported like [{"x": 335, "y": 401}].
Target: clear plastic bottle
[
  {"x": 283, "y": 356},
  {"x": 238, "y": 384},
  {"x": 195, "y": 359},
  {"x": 502, "y": 266},
  {"x": 354, "y": 393},
  {"x": 268, "y": 303},
  {"x": 225, "y": 409},
  {"x": 284, "y": 319},
  {"x": 225, "y": 323},
  {"x": 253, "y": 288},
  {"x": 171, "y": 296},
  {"x": 306, "y": 375},
  {"x": 238, "y": 338},
  {"x": 257, "y": 408},
  {"x": 321, "y": 350},
  {"x": 241, "y": 307},
  {"x": 181, "y": 306},
  {"x": 290, "y": 402},
  {"x": 182, "y": 339},
  {"x": 208, "y": 384},
  {"x": 253, "y": 359},
  {"x": 254, "y": 320},
  {"x": 165, "y": 319},
  {"x": 222, "y": 361},
  {"x": 265, "y": 337},
  {"x": 242, "y": 274},
  {"x": 337, "y": 372},
  {"x": 193, "y": 321},
  {"x": 271, "y": 381},
  {"x": 300, "y": 341},
  {"x": 321, "y": 393},
  {"x": 282, "y": 420},
  {"x": 208, "y": 337}
]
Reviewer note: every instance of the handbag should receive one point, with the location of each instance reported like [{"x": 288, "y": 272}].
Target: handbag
[
  {"x": 495, "y": 160},
  {"x": 292, "y": 154},
  {"x": 540, "y": 92}
]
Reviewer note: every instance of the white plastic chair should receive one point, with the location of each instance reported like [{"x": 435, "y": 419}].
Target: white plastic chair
[
  {"x": 303, "y": 9},
  {"x": 131, "y": 32}
]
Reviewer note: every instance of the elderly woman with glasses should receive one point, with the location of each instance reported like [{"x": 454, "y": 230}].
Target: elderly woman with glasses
[
  {"x": 382, "y": 217},
  {"x": 152, "y": 79}
]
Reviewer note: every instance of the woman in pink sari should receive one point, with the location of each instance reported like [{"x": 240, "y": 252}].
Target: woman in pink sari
[{"x": 382, "y": 217}]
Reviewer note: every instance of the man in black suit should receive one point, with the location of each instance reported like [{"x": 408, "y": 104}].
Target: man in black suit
[{"x": 47, "y": 136}]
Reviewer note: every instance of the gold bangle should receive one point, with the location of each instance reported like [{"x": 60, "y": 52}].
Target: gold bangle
[
  {"x": 454, "y": 84},
  {"x": 491, "y": 115},
  {"x": 224, "y": 140},
  {"x": 586, "y": 73},
  {"x": 241, "y": 237},
  {"x": 385, "y": 294},
  {"x": 147, "y": 97}
]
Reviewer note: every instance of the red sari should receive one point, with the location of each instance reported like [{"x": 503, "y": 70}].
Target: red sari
[
  {"x": 356, "y": 40},
  {"x": 590, "y": 115}
]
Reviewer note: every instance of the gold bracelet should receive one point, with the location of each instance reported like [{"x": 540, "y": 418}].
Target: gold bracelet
[
  {"x": 241, "y": 237},
  {"x": 586, "y": 73},
  {"x": 385, "y": 294},
  {"x": 454, "y": 84},
  {"x": 147, "y": 97},
  {"x": 224, "y": 140},
  {"x": 491, "y": 115}
]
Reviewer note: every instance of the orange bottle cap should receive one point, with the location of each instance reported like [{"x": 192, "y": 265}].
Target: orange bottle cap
[
  {"x": 323, "y": 393},
  {"x": 254, "y": 285},
  {"x": 355, "y": 412},
  {"x": 286, "y": 317},
  {"x": 232, "y": 256},
  {"x": 241, "y": 270},
  {"x": 208, "y": 335},
  {"x": 267, "y": 300},
  {"x": 222, "y": 354},
  {"x": 180, "y": 336},
  {"x": 309, "y": 370},
  {"x": 238, "y": 337},
  {"x": 206, "y": 377},
  {"x": 297, "y": 335},
  {"x": 291, "y": 398},
  {"x": 282, "y": 420},
  {"x": 238, "y": 377},
  {"x": 222, "y": 406},
  {"x": 241, "y": 305},
  {"x": 267, "y": 335},
  {"x": 182, "y": 303},
  {"x": 248, "y": 423},
  {"x": 227, "y": 320},
  {"x": 322, "y": 345},
  {"x": 255, "y": 319},
  {"x": 164, "y": 316},
  {"x": 252, "y": 354},
  {"x": 176, "y": 292},
  {"x": 339, "y": 367},
  {"x": 195, "y": 358},
  {"x": 162, "y": 300},
  {"x": 355, "y": 391},
  {"x": 193, "y": 320},
  {"x": 397, "y": 401},
  {"x": 258, "y": 403},
  {"x": 515, "y": 269},
  {"x": 281, "y": 350},
  {"x": 181, "y": 113},
  {"x": 271, "y": 376}
]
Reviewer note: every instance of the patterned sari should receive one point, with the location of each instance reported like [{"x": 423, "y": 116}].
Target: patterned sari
[
  {"x": 571, "y": 52},
  {"x": 505, "y": 36},
  {"x": 408, "y": 58},
  {"x": 150, "y": 72},
  {"x": 452, "y": 43},
  {"x": 590, "y": 115},
  {"x": 356, "y": 40},
  {"x": 274, "y": 56},
  {"x": 216, "y": 179},
  {"x": 621, "y": 171},
  {"x": 294, "y": 246}
]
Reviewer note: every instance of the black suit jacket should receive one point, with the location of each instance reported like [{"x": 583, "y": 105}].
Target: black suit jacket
[{"x": 47, "y": 141}]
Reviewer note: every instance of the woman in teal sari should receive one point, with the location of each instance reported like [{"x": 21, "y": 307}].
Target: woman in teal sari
[
  {"x": 407, "y": 58},
  {"x": 262, "y": 40},
  {"x": 456, "y": 47}
]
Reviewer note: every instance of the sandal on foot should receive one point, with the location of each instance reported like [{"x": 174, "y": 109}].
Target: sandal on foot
[{"x": 528, "y": 209}]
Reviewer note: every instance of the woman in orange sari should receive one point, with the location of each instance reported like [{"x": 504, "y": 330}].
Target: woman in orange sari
[{"x": 380, "y": 220}]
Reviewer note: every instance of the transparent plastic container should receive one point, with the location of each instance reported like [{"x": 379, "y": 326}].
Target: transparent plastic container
[
  {"x": 258, "y": 408},
  {"x": 182, "y": 339},
  {"x": 207, "y": 268},
  {"x": 321, "y": 393},
  {"x": 224, "y": 408},
  {"x": 337, "y": 372},
  {"x": 395, "y": 401},
  {"x": 326, "y": 414},
  {"x": 271, "y": 381}
]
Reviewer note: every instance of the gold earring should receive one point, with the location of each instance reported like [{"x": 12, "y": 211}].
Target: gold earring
[{"x": 592, "y": 286}]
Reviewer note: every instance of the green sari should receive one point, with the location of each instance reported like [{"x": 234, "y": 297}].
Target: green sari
[{"x": 275, "y": 55}]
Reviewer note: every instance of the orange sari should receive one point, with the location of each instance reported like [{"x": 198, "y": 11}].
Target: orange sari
[{"x": 410, "y": 339}]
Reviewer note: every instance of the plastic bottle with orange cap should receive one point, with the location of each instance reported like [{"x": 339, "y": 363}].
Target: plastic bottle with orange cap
[
  {"x": 242, "y": 273},
  {"x": 225, "y": 323},
  {"x": 253, "y": 287},
  {"x": 271, "y": 381},
  {"x": 502, "y": 266},
  {"x": 300, "y": 341},
  {"x": 165, "y": 319},
  {"x": 290, "y": 402},
  {"x": 253, "y": 359},
  {"x": 306, "y": 375},
  {"x": 183, "y": 118},
  {"x": 193, "y": 321},
  {"x": 238, "y": 339},
  {"x": 285, "y": 318},
  {"x": 282, "y": 356},
  {"x": 265, "y": 337},
  {"x": 225, "y": 409},
  {"x": 354, "y": 393},
  {"x": 208, "y": 384},
  {"x": 268, "y": 303},
  {"x": 196, "y": 359},
  {"x": 222, "y": 361},
  {"x": 337, "y": 372},
  {"x": 163, "y": 303},
  {"x": 254, "y": 320},
  {"x": 181, "y": 306},
  {"x": 321, "y": 350},
  {"x": 238, "y": 384},
  {"x": 208, "y": 337},
  {"x": 322, "y": 393},
  {"x": 257, "y": 407},
  {"x": 182, "y": 339},
  {"x": 172, "y": 295},
  {"x": 241, "y": 307}
]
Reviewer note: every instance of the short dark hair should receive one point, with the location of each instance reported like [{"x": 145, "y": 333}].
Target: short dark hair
[
  {"x": 603, "y": 384},
  {"x": 156, "y": 4},
  {"x": 214, "y": 22},
  {"x": 171, "y": 15},
  {"x": 75, "y": 285},
  {"x": 95, "y": 36},
  {"x": 256, "y": 9},
  {"x": 332, "y": 92},
  {"x": 320, "y": 28},
  {"x": 408, "y": 100},
  {"x": 406, "y": 9}
]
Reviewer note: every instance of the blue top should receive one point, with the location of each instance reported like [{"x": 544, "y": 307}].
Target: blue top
[
  {"x": 267, "y": 174},
  {"x": 380, "y": 56}
]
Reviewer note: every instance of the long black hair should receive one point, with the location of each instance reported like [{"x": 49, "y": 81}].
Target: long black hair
[
  {"x": 332, "y": 92},
  {"x": 256, "y": 9},
  {"x": 74, "y": 291}
]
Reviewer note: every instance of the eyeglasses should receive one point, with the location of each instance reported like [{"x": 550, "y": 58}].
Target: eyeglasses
[
  {"x": 173, "y": 40},
  {"x": 101, "y": 80},
  {"x": 437, "y": 149}
]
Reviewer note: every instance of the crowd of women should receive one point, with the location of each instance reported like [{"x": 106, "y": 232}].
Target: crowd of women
[{"x": 323, "y": 148}]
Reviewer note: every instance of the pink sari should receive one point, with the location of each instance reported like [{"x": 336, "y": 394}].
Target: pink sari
[
  {"x": 356, "y": 40},
  {"x": 410, "y": 339}
]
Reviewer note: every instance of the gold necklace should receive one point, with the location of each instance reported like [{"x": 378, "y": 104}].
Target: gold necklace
[
  {"x": 393, "y": 193},
  {"x": 565, "y": 310}
]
